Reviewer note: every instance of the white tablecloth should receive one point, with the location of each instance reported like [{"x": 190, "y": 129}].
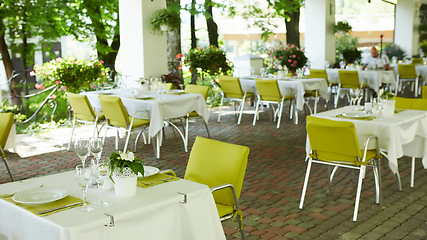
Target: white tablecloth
[
  {"x": 154, "y": 213},
  {"x": 374, "y": 79},
  {"x": 419, "y": 68},
  {"x": 292, "y": 86},
  {"x": 11, "y": 139},
  {"x": 161, "y": 107},
  {"x": 404, "y": 134}
]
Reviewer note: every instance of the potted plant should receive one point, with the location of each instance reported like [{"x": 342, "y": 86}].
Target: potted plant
[
  {"x": 289, "y": 56},
  {"x": 341, "y": 27},
  {"x": 393, "y": 50},
  {"x": 210, "y": 60},
  {"x": 351, "y": 55},
  {"x": 163, "y": 20},
  {"x": 124, "y": 169},
  {"x": 174, "y": 78}
]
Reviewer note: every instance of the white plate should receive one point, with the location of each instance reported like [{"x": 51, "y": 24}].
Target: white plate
[
  {"x": 148, "y": 171},
  {"x": 175, "y": 91},
  {"x": 355, "y": 115},
  {"x": 40, "y": 195}
]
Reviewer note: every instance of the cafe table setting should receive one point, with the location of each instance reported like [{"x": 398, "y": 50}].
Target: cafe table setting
[
  {"x": 373, "y": 78},
  {"x": 291, "y": 86},
  {"x": 163, "y": 207},
  {"x": 400, "y": 132}
]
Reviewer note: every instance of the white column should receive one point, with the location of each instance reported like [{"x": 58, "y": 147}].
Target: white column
[
  {"x": 319, "y": 39},
  {"x": 142, "y": 53},
  {"x": 407, "y": 22}
]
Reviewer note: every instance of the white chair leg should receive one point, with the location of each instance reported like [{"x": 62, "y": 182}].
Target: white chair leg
[
  {"x": 256, "y": 112},
  {"x": 304, "y": 188},
  {"x": 117, "y": 139},
  {"x": 413, "y": 172},
  {"x": 416, "y": 87},
  {"x": 128, "y": 133},
  {"x": 241, "y": 111},
  {"x": 315, "y": 102},
  {"x": 220, "y": 108},
  {"x": 337, "y": 96},
  {"x": 186, "y": 134},
  {"x": 397, "y": 85},
  {"x": 280, "y": 114},
  {"x": 296, "y": 115},
  {"x": 72, "y": 133},
  {"x": 359, "y": 189}
]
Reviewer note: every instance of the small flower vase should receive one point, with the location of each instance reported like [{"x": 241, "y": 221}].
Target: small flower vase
[
  {"x": 125, "y": 182},
  {"x": 388, "y": 110},
  {"x": 281, "y": 74}
]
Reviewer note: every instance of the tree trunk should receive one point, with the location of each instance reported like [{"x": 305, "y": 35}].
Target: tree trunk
[
  {"x": 174, "y": 46},
  {"x": 210, "y": 23},
  {"x": 193, "y": 38},
  {"x": 292, "y": 28}
]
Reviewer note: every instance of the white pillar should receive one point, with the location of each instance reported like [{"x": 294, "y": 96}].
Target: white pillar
[
  {"x": 407, "y": 22},
  {"x": 142, "y": 53},
  {"x": 319, "y": 39}
]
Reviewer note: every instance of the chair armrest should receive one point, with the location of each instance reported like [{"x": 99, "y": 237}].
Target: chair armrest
[
  {"x": 140, "y": 110},
  {"x": 365, "y": 147},
  {"x": 224, "y": 186},
  {"x": 168, "y": 171}
]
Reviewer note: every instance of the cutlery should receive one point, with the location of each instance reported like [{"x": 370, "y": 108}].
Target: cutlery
[
  {"x": 148, "y": 184},
  {"x": 58, "y": 208}
]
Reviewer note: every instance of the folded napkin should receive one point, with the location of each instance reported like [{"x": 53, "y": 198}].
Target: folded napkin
[
  {"x": 368, "y": 118},
  {"x": 144, "y": 98},
  {"x": 155, "y": 179},
  {"x": 177, "y": 93},
  {"x": 37, "y": 208}
]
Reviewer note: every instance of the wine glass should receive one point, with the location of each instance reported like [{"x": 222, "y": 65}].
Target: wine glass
[
  {"x": 95, "y": 147},
  {"x": 81, "y": 147},
  {"x": 353, "y": 96},
  {"x": 377, "y": 107},
  {"x": 101, "y": 171},
  {"x": 83, "y": 177}
]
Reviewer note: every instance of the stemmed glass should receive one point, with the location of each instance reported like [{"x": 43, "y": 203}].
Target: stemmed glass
[
  {"x": 101, "y": 171},
  {"x": 353, "y": 96},
  {"x": 378, "y": 107},
  {"x": 83, "y": 177},
  {"x": 95, "y": 147},
  {"x": 81, "y": 147}
]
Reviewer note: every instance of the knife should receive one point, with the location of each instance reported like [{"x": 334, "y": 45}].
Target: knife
[{"x": 54, "y": 209}]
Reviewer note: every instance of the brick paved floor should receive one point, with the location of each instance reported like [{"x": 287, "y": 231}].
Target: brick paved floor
[{"x": 273, "y": 181}]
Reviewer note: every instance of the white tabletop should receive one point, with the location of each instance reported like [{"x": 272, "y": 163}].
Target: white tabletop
[
  {"x": 153, "y": 213},
  {"x": 404, "y": 134},
  {"x": 373, "y": 78},
  {"x": 292, "y": 86},
  {"x": 161, "y": 107}
]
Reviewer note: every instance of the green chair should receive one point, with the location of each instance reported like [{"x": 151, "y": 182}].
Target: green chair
[
  {"x": 168, "y": 86},
  {"x": 348, "y": 80},
  {"x": 204, "y": 91},
  {"x": 83, "y": 112},
  {"x": 232, "y": 90},
  {"x": 417, "y": 61},
  {"x": 269, "y": 93},
  {"x": 407, "y": 72},
  {"x": 221, "y": 166},
  {"x": 318, "y": 73},
  {"x": 6, "y": 122},
  {"x": 118, "y": 118},
  {"x": 413, "y": 104},
  {"x": 335, "y": 143}
]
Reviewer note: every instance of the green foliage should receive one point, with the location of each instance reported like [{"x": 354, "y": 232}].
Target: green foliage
[
  {"x": 344, "y": 43},
  {"x": 166, "y": 17},
  {"x": 351, "y": 55},
  {"x": 423, "y": 47},
  {"x": 392, "y": 50},
  {"x": 290, "y": 56},
  {"x": 17, "y": 115},
  {"x": 210, "y": 60},
  {"x": 117, "y": 162},
  {"x": 341, "y": 27},
  {"x": 71, "y": 75}
]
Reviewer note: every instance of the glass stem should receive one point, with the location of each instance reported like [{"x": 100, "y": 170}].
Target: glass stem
[
  {"x": 101, "y": 186},
  {"x": 84, "y": 197}
]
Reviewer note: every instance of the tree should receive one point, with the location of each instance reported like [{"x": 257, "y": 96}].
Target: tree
[
  {"x": 210, "y": 23},
  {"x": 174, "y": 38},
  {"x": 265, "y": 18}
]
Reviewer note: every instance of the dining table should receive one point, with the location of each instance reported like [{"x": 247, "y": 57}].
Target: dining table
[
  {"x": 177, "y": 210},
  {"x": 402, "y": 134},
  {"x": 373, "y": 78},
  {"x": 290, "y": 86},
  {"x": 159, "y": 106}
]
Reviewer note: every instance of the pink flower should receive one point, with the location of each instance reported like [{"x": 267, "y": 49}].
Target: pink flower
[
  {"x": 289, "y": 60},
  {"x": 32, "y": 74},
  {"x": 274, "y": 58},
  {"x": 397, "y": 48},
  {"x": 281, "y": 57},
  {"x": 292, "y": 65},
  {"x": 295, "y": 62},
  {"x": 104, "y": 83},
  {"x": 100, "y": 61},
  {"x": 284, "y": 48},
  {"x": 277, "y": 68},
  {"x": 179, "y": 67},
  {"x": 292, "y": 46},
  {"x": 294, "y": 56},
  {"x": 392, "y": 44},
  {"x": 278, "y": 48},
  {"x": 91, "y": 86},
  {"x": 102, "y": 73},
  {"x": 37, "y": 86},
  {"x": 56, "y": 82},
  {"x": 53, "y": 96},
  {"x": 45, "y": 73},
  {"x": 64, "y": 88},
  {"x": 389, "y": 51},
  {"x": 58, "y": 59},
  {"x": 179, "y": 55}
]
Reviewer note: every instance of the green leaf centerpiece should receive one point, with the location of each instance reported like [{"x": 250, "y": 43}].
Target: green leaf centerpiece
[{"x": 119, "y": 161}]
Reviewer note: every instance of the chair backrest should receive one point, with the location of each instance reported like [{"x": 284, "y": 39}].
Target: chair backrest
[
  {"x": 6, "y": 122},
  {"x": 268, "y": 90},
  {"x": 81, "y": 106},
  {"x": 424, "y": 94},
  {"x": 334, "y": 140},
  {"x": 168, "y": 86},
  {"x": 215, "y": 163},
  {"x": 230, "y": 86},
  {"x": 349, "y": 79},
  {"x": 411, "y": 103},
  {"x": 417, "y": 61},
  {"x": 318, "y": 73},
  {"x": 114, "y": 111},
  {"x": 191, "y": 88},
  {"x": 406, "y": 71}
]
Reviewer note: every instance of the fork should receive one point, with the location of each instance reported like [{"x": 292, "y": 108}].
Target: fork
[
  {"x": 10, "y": 195},
  {"x": 150, "y": 183}
]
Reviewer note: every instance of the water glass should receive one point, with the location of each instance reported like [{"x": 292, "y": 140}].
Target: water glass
[
  {"x": 81, "y": 147},
  {"x": 83, "y": 177},
  {"x": 95, "y": 147},
  {"x": 101, "y": 172}
]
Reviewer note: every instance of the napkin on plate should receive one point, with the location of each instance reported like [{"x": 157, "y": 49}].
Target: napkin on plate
[
  {"x": 37, "y": 208},
  {"x": 144, "y": 98},
  {"x": 157, "y": 178},
  {"x": 368, "y": 118}
]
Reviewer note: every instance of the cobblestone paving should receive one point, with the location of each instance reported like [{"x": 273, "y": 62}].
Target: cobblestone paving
[{"x": 273, "y": 182}]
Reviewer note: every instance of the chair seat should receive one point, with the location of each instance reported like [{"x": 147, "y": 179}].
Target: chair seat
[
  {"x": 136, "y": 123},
  {"x": 326, "y": 156},
  {"x": 193, "y": 114},
  {"x": 89, "y": 118},
  {"x": 224, "y": 210}
]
